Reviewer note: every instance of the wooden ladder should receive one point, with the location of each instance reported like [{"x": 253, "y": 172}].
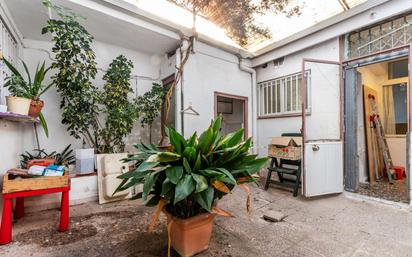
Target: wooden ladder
[{"x": 380, "y": 134}]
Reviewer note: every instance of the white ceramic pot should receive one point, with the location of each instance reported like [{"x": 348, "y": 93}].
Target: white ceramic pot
[{"x": 19, "y": 105}]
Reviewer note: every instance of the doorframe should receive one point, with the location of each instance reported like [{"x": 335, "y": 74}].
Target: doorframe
[
  {"x": 376, "y": 58},
  {"x": 245, "y": 107},
  {"x": 169, "y": 80}
]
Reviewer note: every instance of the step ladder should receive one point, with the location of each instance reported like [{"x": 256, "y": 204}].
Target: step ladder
[{"x": 380, "y": 135}]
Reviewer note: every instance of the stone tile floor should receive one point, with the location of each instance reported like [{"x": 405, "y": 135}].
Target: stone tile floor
[{"x": 328, "y": 226}]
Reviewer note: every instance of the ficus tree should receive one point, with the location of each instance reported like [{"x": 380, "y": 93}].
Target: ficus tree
[
  {"x": 121, "y": 113},
  {"x": 76, "y": 67},
  {"x": 81, "y": 102},
  {"x": 149, "y": 105}
]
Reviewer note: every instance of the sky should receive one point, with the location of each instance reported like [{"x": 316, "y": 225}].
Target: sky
[
  {"x": 280, "y": 26},
  {"x": 313, "y": 11}
]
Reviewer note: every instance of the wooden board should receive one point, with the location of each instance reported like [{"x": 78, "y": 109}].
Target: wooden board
[
  {"x": 371, "y": 139},
  {"x": 37, "y": 183}
]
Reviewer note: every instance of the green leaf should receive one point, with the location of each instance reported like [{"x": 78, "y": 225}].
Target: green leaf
[
  {"x": 176, "y": 140},
  {"x": 168, "y": 157},
  {"x": 205, "y": 140},
  {"x": 149, "y": 181},
  {"x": 44, "y": 124},
  {"x": 126, "y": 175},
  {"x": 198, "y": 163},
  {"x": 174, "y": 173},
  {"x": 217, "y": 124},
  {"x": 146, "y": 166},
  {"x": 251, "y": 167},
  {"x": 186, "y": 165},
  {"x": 27, "y": 71},
  {"x": 189, "y": 153},
  {"x": 184, "y": 188},
  {"x": 166, "y": 187},
  {"x": 205, "y": 198},
  {"x": 201, "y": 182},
  {"x": 192, "y": 140},
  {"x": 12, "y": 68},
  {"x": 228, "y": 175},
  {"x": 211, "y": 173},
  {"x": 123, "y": 186},
  {"x": 231, "y": 139}
]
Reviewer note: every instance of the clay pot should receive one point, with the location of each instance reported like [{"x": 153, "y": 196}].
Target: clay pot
[
  {"x": 19, "y": 105},
  {"x": 190, "y": 236},
  {"x": 35, "y": 108}
]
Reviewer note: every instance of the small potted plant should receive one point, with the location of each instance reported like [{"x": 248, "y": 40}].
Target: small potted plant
[
  {"x": 187, "y": 181},
  {"x": 25, "y": 95},
  {"x": 29, "y": 89}
]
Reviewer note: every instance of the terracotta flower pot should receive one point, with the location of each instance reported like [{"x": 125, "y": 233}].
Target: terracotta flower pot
[
  {"x": 190, "y": 236},
  {"x": 19, "y": 105},
  {"x": 35, "y": 108}
]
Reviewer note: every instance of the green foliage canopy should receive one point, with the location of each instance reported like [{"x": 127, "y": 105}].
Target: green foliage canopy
[{"x": 120, "y": 112}]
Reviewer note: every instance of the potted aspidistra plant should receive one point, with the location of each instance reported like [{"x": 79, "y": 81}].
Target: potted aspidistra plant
[
  {"x": 25, "y": 94},
  {"x": 187, "y": 181}
]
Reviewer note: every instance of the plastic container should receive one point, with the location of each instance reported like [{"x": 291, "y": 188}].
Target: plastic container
[
  {"x": 400, "y": 171},
  {"x": 85, "y": 161}
]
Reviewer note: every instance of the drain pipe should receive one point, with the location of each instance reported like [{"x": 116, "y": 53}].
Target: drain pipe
[{"x": 253, "y": 88}]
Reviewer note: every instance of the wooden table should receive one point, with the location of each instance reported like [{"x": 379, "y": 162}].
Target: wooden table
[{"x": 31, "y": 187}]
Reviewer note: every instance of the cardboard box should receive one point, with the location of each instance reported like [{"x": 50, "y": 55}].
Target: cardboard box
[{"x": 288, "y": 148}]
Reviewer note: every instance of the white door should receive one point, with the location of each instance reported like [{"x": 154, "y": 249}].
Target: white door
[{"x": 322, "y": 128}]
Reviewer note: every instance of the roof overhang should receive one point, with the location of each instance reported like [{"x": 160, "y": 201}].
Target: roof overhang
[{"x": 105, "y": 23}]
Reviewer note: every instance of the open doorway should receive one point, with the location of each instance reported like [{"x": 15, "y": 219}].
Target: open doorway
[
  {"x": 382, "y": 102},
  {"x": 233, "y": 109}
]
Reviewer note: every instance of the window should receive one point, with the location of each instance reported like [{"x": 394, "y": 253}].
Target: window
[
  {"x": 389, "y": 34},
  {"x": 395, "y": 109},
  {"x": 8, "y": 47},
  {"x": 281, "y": 95},
  {"x": 398, "y": 69}
]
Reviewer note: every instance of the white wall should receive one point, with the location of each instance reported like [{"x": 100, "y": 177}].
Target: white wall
[
  {"x": 268, "y": 128},
  {"x": 16, "y": 138},
  {"x": 105, "y": 53},
  {"x": 211, "y": 70}
]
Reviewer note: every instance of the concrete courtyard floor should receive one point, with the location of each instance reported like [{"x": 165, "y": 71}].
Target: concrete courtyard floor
[{"x": 330, "y": 226}]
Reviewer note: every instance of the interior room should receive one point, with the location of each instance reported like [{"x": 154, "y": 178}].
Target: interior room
[
  {"x": 383, "y": 92},
  {"x": 232, "y": 111}
]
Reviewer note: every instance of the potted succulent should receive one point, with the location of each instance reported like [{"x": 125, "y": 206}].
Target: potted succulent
[
  {"x": 29, "y": 89},
  {"x": 25, "y": 95},
  {"x": 187, "y": 181}
]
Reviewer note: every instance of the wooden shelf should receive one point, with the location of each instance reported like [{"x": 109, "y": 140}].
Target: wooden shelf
[{"x": 17, "y": 117}]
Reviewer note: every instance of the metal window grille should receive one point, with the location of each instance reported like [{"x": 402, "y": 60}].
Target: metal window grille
[
  {"x": 281, "y": 95},
  {"x": 386, "y": 35},
  {"x": 8, "y": 47}
]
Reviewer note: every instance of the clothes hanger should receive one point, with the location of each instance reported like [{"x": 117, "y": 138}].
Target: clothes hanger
[{"x": 190, "y": 110}]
